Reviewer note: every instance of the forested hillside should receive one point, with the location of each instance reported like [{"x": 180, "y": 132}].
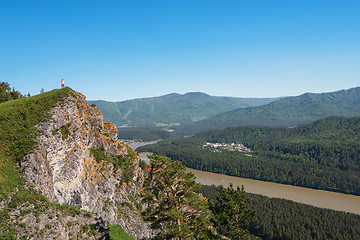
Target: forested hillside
[
  {"x": 283, "y": 219},
  {"x": 321, "y": 155},
  {"x": 172, "y": 109},
  {"x": 290, "y": 111}
]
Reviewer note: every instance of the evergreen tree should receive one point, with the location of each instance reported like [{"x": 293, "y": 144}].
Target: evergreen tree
[
  {"x": 6, "y": 94},
  {"x": 173, "y": 207},
  {"x": 232, "y": 215}
]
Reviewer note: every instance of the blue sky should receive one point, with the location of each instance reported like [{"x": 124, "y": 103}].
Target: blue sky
[{"x": 118, "y": 50}]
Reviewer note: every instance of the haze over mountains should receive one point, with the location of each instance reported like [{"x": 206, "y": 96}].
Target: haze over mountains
[
  {"x": 288, "y": 111},
  {"x": 172, "y": 109},
  {"x": 195, "y": 112}
]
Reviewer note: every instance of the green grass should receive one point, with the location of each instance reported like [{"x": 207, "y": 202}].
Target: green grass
[
  {"x": 65, "y": 132},
  {"x": 117, "y": 233},
  {"x": 118, "y": 161},
  {"x": 18, "y": 133}
]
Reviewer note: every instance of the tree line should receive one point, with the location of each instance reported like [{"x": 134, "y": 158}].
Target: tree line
[
  {"x": 283, "y": 219},
  {"x": 321, "y": 155}
]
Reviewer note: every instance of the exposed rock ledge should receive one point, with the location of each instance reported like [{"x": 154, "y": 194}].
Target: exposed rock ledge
[{"x": 62, "y": 168}]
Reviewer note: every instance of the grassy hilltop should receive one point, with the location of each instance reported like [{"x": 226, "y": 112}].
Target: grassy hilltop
[{"x": 18, "y": 132}]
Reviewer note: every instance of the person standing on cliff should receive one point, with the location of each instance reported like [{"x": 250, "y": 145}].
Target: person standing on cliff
[{"x": 62, "y": 83}]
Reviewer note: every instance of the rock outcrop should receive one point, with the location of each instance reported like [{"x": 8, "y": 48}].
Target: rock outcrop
[
  {"x": 80, "y": 162},
  {"x": 40, "y": 222}
]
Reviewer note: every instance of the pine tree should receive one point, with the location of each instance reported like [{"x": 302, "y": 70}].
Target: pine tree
[
  {"x": 173, "y": 207},
  {"x": 232, "y": 214},
  {"x": 4, "y": 92}
]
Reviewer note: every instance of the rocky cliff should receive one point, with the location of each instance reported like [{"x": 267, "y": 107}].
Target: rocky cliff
[{"x": 79, "y": 161}]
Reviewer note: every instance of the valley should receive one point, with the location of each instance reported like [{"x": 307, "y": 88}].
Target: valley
[
  {"x": 85, "y": 154},
  {"x": 180, "y": 120},
  {"x": 280, "y": 207},
  {"x": 322, "y": 155},
  {"x": 191, "y": 113},
  {"x": 318, "y": 198}
]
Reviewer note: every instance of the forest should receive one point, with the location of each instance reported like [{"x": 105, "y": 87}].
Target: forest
[
  {"x": 285, "y": 112},
  {"x": 322, "y": 155},
  {"x": 283, "y": 219}
]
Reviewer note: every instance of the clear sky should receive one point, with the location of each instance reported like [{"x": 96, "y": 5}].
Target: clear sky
[{"x": 118, "y": 50}]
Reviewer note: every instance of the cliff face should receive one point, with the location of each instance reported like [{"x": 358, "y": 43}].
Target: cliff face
[{"x": 80, "y": 162}]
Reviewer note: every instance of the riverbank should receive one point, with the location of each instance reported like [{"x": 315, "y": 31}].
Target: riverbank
[
  {"x": 134, "y": 145},
  {"x": 318, "y": 198}
]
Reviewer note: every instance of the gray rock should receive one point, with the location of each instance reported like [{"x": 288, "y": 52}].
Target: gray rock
[{"x": 62, "y": 168}]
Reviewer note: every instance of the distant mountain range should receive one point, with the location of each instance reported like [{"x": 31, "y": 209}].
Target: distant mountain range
[
  {"x": 287, "y": 111},
  {"x": 172, "y": 109},
  {"x": 194, "y": 112}
]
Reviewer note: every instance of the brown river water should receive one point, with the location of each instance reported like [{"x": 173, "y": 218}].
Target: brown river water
[{"x": 317, "y": 198}]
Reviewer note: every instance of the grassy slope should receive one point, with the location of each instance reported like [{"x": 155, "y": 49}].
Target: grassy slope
[
  {"x": 17, "y": 133},
  {"x": 17, "y": 138},
  {"x": 117, "y": 233}
]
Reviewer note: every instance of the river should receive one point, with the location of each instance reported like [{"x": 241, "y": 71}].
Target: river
[{"x": 318, "y": 198}]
